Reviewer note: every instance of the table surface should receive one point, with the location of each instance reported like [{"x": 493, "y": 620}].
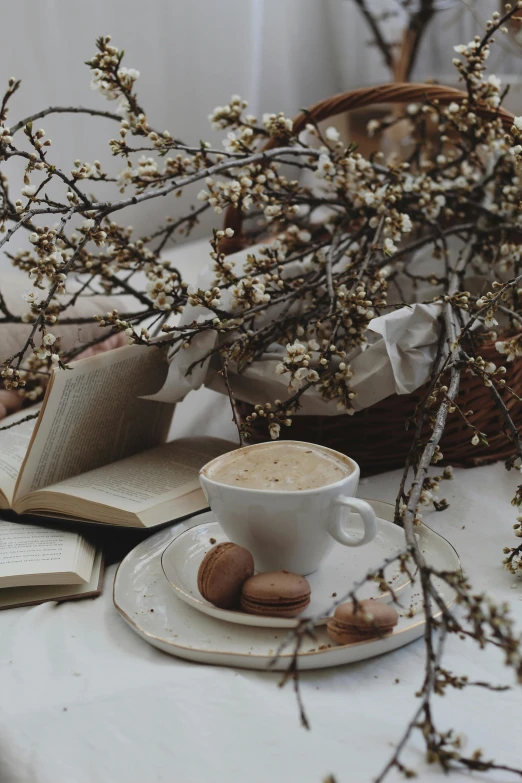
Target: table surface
[{"x": 85, "y": 700}]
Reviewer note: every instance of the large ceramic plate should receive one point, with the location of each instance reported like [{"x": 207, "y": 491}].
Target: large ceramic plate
[
  {"x": 147, "y": 602},
  {"x": 340, "y": 569}
]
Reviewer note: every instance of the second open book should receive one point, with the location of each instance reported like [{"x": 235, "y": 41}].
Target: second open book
[{"x": 97, "y": 450}]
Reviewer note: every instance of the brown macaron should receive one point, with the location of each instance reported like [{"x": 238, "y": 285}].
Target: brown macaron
[
  {"x": 368, "y": 620},
  {"x": 222, "y": 573},
  {"x": 275, "y": 594}
]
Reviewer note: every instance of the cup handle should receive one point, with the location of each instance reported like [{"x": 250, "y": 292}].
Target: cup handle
[{"x": 367, "y": 515}]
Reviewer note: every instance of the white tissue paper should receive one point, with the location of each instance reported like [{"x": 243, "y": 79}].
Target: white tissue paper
[{"x": 397, "y": 359}]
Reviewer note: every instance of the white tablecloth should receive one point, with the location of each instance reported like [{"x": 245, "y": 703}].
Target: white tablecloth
[{"x": 84, "y": 700}]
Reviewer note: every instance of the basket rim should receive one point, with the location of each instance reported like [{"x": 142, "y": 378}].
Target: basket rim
[{"x": 391, "y": 92}]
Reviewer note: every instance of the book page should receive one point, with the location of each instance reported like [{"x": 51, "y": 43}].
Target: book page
[
  {"x": 13, "y": 447},
  {"x": 93, "y": 415},
  {"x": 30, "y": 554},
  {"x": 151, "y": 477},
  {"x": 28, "y": 596}
]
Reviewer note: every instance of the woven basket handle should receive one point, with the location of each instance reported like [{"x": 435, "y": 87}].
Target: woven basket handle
[{"x": 395, "y": 92}]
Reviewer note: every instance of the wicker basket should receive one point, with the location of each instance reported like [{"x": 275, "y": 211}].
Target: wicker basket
[{"x": 377, "y": 437}]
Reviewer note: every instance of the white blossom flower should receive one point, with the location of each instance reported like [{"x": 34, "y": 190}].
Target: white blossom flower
[
  {"x": 372, "y": 127},
  {"x": 332, "y": 134},
  {"x": 57, "y": 257},
  {"x": 32, "y": 297},
  {"x": 163, "y": 301},
  {"x": 123, "y": 106},
  {"x": 490, "y": 320},
  {"x": 517, "y": 122},
  {"x": 274, "y": 429},
  {"x": 88, "y": 224},
  {"x": 249, "y": 291},
  {"x": 324, "y": 166},
  {"x": 295, "y": 348},
  {"x": 5, "y": 136},
  {"x": 280, "y": 369},
  {"x": 128, "y": 73},
  {"x": 406, "y": 224},
  {"x": 389, "y": 247},
  {"x": 475, "y": 440},
  {"x": 155, "y": 286},
  {"x": 49, "y": 339},
  {"x": 29, "y": 190}
]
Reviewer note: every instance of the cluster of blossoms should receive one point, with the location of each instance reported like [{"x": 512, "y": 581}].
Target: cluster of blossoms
[
  {"x": 299, "y": 364},
  {"x": 511, "y": 347},
  {"x": 110, "y": 78},
  {"x": 5, "y": 136}
]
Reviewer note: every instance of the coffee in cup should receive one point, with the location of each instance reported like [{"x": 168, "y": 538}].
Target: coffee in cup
[{"x": 279, "y": 467}]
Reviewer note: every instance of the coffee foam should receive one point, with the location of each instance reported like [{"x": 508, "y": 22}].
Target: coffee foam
[{"x": 279, "y": 466}]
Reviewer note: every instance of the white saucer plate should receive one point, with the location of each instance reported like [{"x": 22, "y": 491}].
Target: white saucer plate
[
  {"x": 147, "y": 602},
  {"x": 341, "y": 568}
]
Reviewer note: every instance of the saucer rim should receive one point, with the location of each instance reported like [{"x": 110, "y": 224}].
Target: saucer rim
[{"x": 247, "y": 660}]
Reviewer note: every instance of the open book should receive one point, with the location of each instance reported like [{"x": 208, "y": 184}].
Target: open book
[
  {"x": 97, "y": 451},
  {"x": 42, "y": 564}
]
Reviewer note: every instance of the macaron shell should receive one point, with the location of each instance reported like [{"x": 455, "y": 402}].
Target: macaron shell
[
  {"x": 208, "y": 564},
  {"x": 346, "y": 635},
  {"x": 222, "y": 573},
  {"x": 369, "y": 619},
  {"x": 274, "y": 586},
  {"x": 273, "y": 609},
  {"x": 275, "y": 594},
  {"x": 366, "y": 614}
]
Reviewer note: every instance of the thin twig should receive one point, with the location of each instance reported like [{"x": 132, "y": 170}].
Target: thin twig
[{"x": 20, "y": 421}]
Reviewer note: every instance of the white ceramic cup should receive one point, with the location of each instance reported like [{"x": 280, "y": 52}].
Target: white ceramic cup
[{"x": 292, "y": 530}]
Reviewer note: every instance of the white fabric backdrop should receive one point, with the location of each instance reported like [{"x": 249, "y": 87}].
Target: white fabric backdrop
[
  {"x": 192, "y": 56},
  {"x": 281, "y": 54}
]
